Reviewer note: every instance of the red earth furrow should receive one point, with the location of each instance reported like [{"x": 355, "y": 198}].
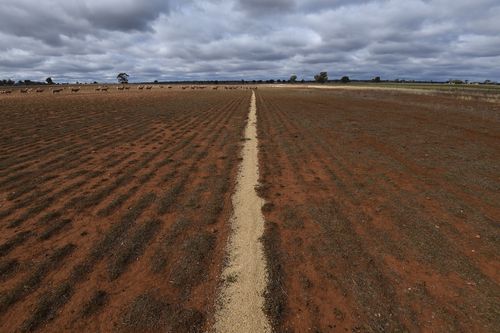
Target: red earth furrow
[{"x": 313, "y": 146}]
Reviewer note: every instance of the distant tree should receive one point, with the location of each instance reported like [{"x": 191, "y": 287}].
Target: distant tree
[
  {"x": 8, "y": 82},
  {"x": 95, "y": 82},
  {"x": 293, "y": 78},
  {"x": 49, "y": 80},
  {"x": 321, "y": 77},
  {"x": 122, "y": 78},
  {"x": 345, "y": 79},
  {"x": 302, "y": 80},
  {"x": 376, "y": 79},
  {"x": 155, "y": 81}
]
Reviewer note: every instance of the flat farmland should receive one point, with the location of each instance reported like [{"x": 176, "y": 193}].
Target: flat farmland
[
  {"x": 383, "y": 210},
  {"x": 114, "y": 207},
  {"x": 134, "y": 210}
]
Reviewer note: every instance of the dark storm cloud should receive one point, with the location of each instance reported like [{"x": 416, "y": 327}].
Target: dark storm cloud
[
  {"x": 51, "y": 20},
  {"x": 122, "y": 15},
  {"x": 234, "y": 39},
  {"x": 266, "y": 7}
]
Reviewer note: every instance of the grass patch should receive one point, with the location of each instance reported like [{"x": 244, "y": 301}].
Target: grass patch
[
  {"x": 117, "y": 203},
  {"x": 96, "y": 303},
  {"x": 12, "y": 243},
  {"x": 49, "y": 217},
  {"x": 267, "y": 207},
  {"x": 192, "y": 266},
  {"x": 7, "y": 268},
  {"x": 133, "y": 248},
  {"x": 275, "y": 296},
  {"x": 47, "y": 307},
  {"x": 291, "y": 219},
  {"x": 54, "y": 229},
  {"x": 119, "y": 229},
  {"x": 160, "y": 258},
  {"x": 35, "y": 279},
  {"x": 150, "y": 313},
  {"x": 169, "y": 197}
]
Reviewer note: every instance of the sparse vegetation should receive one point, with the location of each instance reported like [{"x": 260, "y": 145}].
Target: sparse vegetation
[
  {"x": 8, "y": 268},
  {"x": 96, "y": 303},
  {"x": 129, "y": 183},
  {"x": 362, "y": 215},
  {"x": 151, "y": 312},
  {"x": 321, "y": 77},
  {"x": 132, "y": 248},
  {"x": 33, "y": 281},
  {"x": 17, "y": 240}
]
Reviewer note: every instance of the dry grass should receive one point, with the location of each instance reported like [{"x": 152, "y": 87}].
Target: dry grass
[
  {"x": 132, "y": 248},
  {"x": 96, "y": 303},
  {"x": 35, "y": 279},
  {"x": 150, "y": 312}
]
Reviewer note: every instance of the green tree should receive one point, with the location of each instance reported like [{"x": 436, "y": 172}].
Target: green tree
[
  {"x": 321, "y": 77},
  {"x": 122, "y": 78},
  {"x": 293, "y": 78},
  {"x": 376, "y": 79},
  {"x": 345, "y": 79},
  {"x": 49, "y": 80}
]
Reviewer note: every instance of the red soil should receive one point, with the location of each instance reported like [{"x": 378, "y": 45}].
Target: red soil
[
  {"x": 139, "y": 183},
  {"x": 383, "y": 210},
  {"x": 382, "y": 214}
]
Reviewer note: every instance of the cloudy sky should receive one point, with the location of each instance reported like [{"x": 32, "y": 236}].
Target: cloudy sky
[{"x": 249, "y": 39}]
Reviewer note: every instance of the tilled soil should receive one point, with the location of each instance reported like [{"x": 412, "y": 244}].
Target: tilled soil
[
  {"x": 383, "y": 210},
  {"x": 114, "y": 208}
]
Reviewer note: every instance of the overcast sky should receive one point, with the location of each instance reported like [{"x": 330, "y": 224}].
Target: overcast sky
[{"x": 249, "y": 39}]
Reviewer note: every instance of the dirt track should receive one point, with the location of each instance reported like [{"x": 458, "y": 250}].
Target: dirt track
[{"x": 242, "y": 300}]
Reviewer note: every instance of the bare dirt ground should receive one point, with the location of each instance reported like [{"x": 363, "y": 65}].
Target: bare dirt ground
[
  {"x": 383, "y": 210},
  {"x": 114, "y": 208},
  {"x": 241, "y": 299},
  {"x": 381, "y": 216}
]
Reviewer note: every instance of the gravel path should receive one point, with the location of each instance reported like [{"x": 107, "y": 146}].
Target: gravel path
[{"x": 241, "y": 300}]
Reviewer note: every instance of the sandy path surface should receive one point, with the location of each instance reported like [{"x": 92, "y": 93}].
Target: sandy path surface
[{"x": 241, "y": 299}]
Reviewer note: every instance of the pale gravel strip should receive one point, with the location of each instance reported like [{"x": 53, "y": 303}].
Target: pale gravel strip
[{"x": 241, "y": 300}]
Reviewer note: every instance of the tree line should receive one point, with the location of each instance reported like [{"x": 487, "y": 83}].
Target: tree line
[
  {"x": 322, "y": 77},
  {"x": 10, "y": 82}
]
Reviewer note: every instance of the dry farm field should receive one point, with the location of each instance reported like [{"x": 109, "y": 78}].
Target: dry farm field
[
  {"x": 114, "y": 208},
  {"x": 381, "y": 212}
]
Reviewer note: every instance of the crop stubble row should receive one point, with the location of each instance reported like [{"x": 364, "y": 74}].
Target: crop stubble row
[
  {"x": 368, "y": 228},
  {"x": 361, "y": 234},
  {"x": 179, "y": 177}
]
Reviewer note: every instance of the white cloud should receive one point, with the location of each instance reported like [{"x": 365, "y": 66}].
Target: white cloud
[{"x": 217, "y": 39}]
